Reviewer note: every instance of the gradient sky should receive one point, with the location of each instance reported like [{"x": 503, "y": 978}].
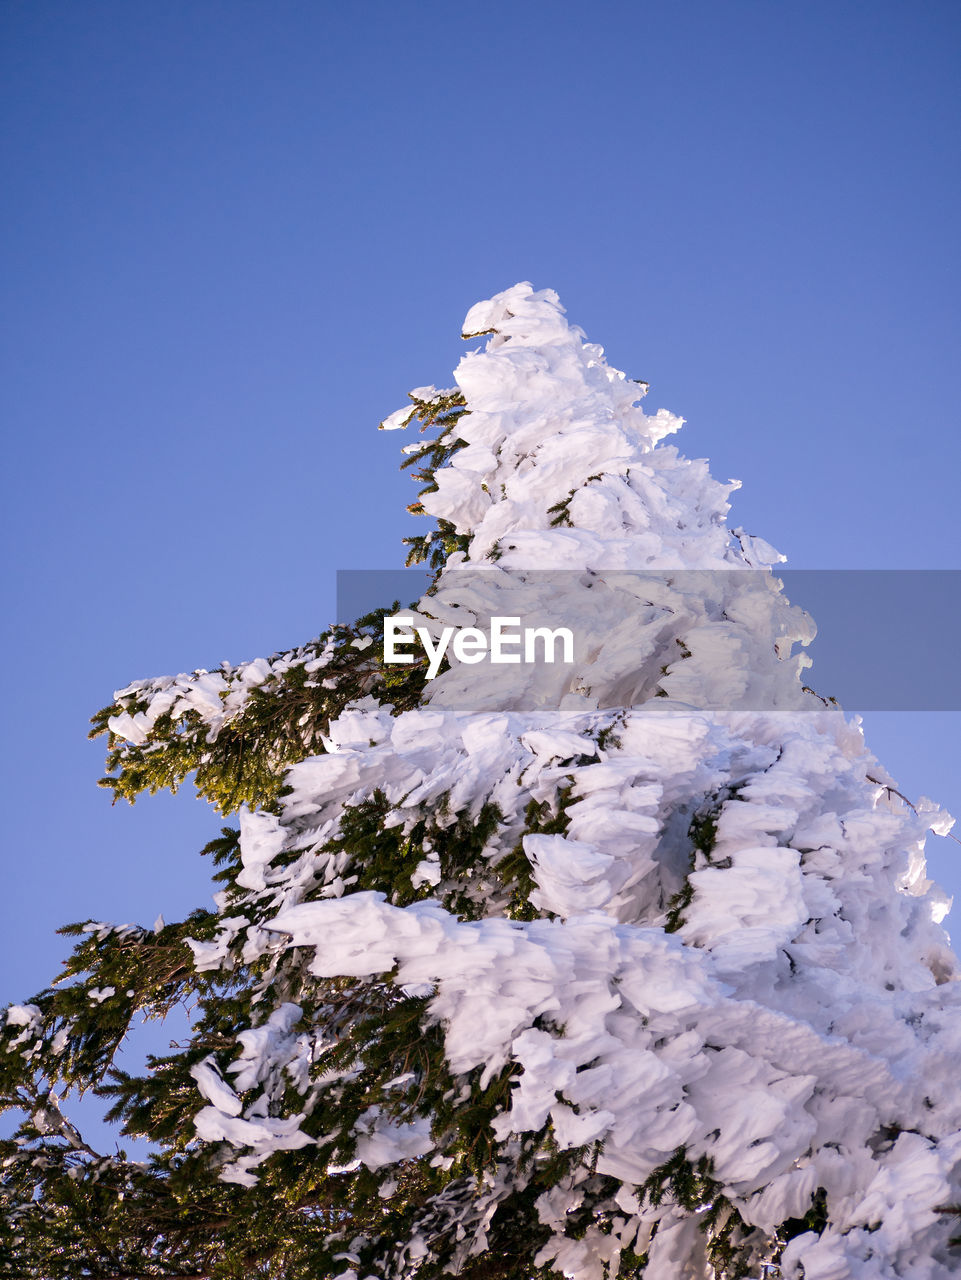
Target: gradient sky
[{"x": 234, "y": 234}]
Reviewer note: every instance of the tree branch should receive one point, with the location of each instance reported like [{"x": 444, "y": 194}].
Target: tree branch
[{"x": 901, "y": 796}]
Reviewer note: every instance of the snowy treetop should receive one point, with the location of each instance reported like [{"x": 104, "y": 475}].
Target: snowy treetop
[{"x": 559, "y": 468}]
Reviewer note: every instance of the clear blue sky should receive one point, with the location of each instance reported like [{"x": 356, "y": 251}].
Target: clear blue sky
[{"x": 234, "y": 234}]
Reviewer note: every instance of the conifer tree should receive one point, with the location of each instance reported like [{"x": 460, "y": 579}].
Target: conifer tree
[{"x": 620, "y": 967}]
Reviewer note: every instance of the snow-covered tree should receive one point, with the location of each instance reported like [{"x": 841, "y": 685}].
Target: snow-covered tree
[{"x": 620, "y": 967}]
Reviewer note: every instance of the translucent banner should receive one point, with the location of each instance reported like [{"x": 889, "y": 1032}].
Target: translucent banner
[{"x": 739, "y": 639}]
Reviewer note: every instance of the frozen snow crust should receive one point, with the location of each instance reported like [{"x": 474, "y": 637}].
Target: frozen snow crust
[{"x": 681, "y": 938}]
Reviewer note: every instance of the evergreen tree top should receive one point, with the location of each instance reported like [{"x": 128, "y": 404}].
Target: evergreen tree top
[{"x": 548, "y": 438}]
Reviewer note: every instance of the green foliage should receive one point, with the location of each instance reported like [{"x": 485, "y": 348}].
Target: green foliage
[
  {"x": 692, "y": 1186},
  {"x": 542, "y": 818},
  {"x": 561, "y": 511},
  {"x": 816, "y": 1218},
  {"x": 384, "y": 858},
  {"x": 84, "y": 1216},
  {"x": 444, "y": 411},
  {"x": 702, "y": 833},
  {"x": 242, "y": 761}
]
